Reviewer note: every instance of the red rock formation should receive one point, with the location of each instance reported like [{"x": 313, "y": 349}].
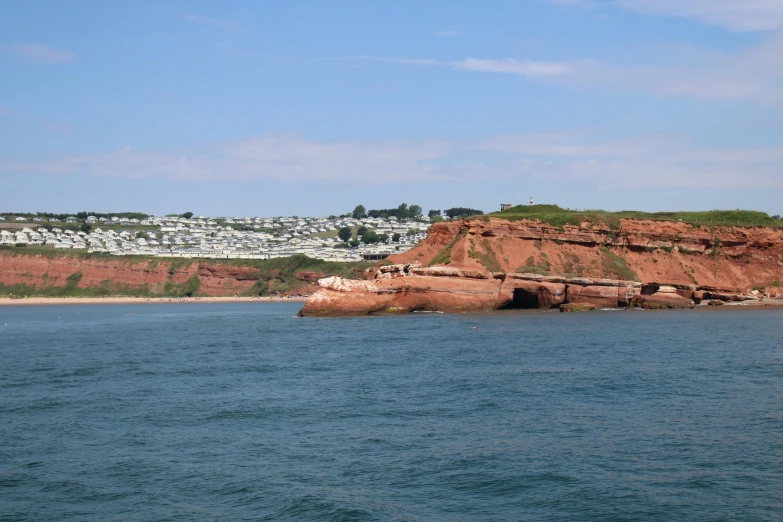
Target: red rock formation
[
  {"x": 494, "y": 264},
  {"x": 215, "y": 279}
]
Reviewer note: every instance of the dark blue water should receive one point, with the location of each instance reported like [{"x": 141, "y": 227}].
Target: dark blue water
[{"x": 246, "y": 412}]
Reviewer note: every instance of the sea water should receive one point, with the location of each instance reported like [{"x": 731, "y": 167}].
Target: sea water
[{"x": 244, "y": 411}]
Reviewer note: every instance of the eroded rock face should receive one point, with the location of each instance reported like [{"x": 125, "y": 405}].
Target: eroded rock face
[
  {"x": 731, "y": 259},
  {"x": 339, "y": 296},
  {"x": 551, "y": 295},
  {"x": 38, "y": 270},
  {"x": 459, "y": 293},
  {"x": 498, "y": 264}
]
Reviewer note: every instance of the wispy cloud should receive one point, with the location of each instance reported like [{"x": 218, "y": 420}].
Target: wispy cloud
[
  {"x": 286, "y": 157},
  {"x": 41, "y": 53},
  {"x": 523, "y": 67},
  {"x": 638, "y": 162},
  {"x": 662, "y": 161},
  {"x": 507, "y": 65},
  {"x": 734, "y": 15},
  {"x": 52, "y": 126},
  {"x": 749, "y": 74}
]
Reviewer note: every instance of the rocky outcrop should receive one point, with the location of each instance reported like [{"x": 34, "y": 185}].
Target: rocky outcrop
[
  {"x": 491, "y": 264},
  {"x": 457, "y": 292}
]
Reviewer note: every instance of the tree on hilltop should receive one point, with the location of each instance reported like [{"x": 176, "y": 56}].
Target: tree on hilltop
[
  {"x": 462, "y": 212},
  {"x": 359, "y": 212}
]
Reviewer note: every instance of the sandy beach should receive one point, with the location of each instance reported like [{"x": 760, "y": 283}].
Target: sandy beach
[{"x": 5, "y": 301}]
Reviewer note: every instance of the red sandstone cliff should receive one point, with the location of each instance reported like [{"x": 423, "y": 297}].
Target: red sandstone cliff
[
  {"x": 486, "y": 264},
  {"x": 112, "y": 273}
]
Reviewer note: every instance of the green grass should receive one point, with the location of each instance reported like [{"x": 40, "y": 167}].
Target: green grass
[
  {"x": 488, "y": 258},
  {"x": 615, "y": 265},
  {"x": 444, "y": 256},
  {"x": 530, "y": 267},
  {"x": 557, "y": 216}
]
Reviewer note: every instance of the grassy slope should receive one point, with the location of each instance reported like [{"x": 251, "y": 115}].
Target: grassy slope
[{"x": 556, "y": 216}]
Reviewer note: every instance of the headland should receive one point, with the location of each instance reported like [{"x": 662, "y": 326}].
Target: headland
[{"x": 572, "y": 261}]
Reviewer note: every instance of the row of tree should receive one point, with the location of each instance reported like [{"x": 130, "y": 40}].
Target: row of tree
[{"x": 404, "y": 212}]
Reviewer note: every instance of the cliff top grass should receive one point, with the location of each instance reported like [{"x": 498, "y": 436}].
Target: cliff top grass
[{"x": 557, "y": 216}]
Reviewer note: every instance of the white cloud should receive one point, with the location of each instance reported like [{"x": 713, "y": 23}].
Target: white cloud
[{"x": 42, "y": 53}]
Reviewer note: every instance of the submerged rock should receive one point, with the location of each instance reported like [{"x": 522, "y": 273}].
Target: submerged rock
[{"x": 576, "y": 307}]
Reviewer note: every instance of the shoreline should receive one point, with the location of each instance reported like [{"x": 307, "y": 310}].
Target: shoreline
[
  {"x": 28, "y": 301},
  {"x": 35, "y": 301}
]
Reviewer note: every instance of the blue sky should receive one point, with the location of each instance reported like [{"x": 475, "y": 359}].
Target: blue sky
[{"x": 311, "y": 107}]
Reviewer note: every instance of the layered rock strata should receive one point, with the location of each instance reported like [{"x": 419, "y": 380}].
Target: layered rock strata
[
  {"x": 491, "y": 264},
  {"x": 410, "y": 288}
]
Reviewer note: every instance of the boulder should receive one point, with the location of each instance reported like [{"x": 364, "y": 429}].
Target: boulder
[
  {"x": 600, "y": 296},
  {"x": 659, "y": 301}
]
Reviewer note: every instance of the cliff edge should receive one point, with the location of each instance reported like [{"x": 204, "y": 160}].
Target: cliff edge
[{"x": 489, "y": 263}]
